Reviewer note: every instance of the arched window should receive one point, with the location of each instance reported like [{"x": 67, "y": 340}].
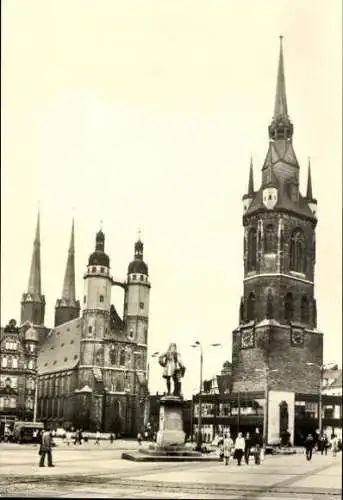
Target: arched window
[
  {"x": 305, "y": 316},
  {"x": 252, "y": 249},
  {"x": 269, "y": 239},
  {"x": 122, "y": 358},
  {"x": 297, "y": 251},
  {"x": 251, "y": 307},
  {"x": 289, "y": 307}
]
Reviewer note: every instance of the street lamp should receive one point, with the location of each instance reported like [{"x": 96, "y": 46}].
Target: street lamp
[
  {"x": 321, "y": 368},
  {"x": 266, "y": 372},
  {"x": 199, "y": 437},
  {"x": 147, "y": 395}
]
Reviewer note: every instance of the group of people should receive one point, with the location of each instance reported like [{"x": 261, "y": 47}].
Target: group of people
[
  {"x": 323, "y": 444},
  {"x": 241, "y": 447}
]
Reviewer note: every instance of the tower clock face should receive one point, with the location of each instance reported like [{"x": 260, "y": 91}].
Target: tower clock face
[
  {"x": 297, "y": 337},
  {"x": 247, "y": 339}
]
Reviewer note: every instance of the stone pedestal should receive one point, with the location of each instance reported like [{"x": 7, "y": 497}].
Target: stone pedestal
[
  {"x": 171, "y": 422},
  {"x": 170, "y": 441}
]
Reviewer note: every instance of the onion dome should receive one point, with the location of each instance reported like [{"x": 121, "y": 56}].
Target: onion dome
[
  {"x": 31, "y": 335},
  {"x": 99, "y": 257},
  {"x": 138, "y": 266}
]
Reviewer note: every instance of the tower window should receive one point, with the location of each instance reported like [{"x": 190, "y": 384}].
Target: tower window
[
  {"x": 102, "y": 269},
  {"x": 141, "y": 305},
  {"x": 305, "y": 310},
  {"x": 269, "y": 239},
  {"x": 89, "y": 329},
  {"x": 142, "y": 277},
  {"x": 297, "y": 252},
  {"x": 122, "y": 358},
  {"x": 93, "y": 269},
  {"x": 4, "y": 362},
  {"x": 289, "y": 307},
  {"x": 134, "y": 277},
  {"x": 251, "y": 307},
  {"x": 84, "y": 299},
  {"x": 252, "y": 249},
  {"x": 101, "y": 298}
]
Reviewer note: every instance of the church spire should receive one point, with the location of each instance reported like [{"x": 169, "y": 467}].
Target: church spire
[
  {"x": 280, "y": 108},
  {"x": 33, "y": 302},
  {"x": 251, "y": 178},
  {"x": 281, "y": 126},
  {"x": 34, "y": 286},
  {"x": 309, "y": 194},
  {"x": 68, "y": 291},
  {"x": 67, "y": 307}
]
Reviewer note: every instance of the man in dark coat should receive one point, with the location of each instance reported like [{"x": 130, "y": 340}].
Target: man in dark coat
[
  {"x": 248, "y": 446},
  {"x": 46, "y": 449},
  {"x": 309, "y": 442}
]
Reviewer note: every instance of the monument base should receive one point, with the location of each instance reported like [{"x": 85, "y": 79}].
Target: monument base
[{"x": 170, "y": 441}]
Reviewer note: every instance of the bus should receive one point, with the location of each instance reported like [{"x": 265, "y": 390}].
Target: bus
[{"x": 27, "y": 432}]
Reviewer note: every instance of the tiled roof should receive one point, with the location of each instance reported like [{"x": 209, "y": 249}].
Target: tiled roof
[{"x": 61, "y": 349}]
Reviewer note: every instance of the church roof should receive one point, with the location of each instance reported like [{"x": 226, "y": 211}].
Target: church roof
[{"x": 61, "y": 349}]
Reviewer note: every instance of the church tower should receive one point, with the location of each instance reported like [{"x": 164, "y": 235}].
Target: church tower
[
  {"x": 96, "y": 311},
  {"x": 278, "y": 315},
  {"x": 136, "y": 305},
  {"x": 33, "y": 302},
  {"x": 67, "y": 307}
]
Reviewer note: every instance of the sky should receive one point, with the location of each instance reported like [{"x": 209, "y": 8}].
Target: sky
[{"x": 144, "y": 114}]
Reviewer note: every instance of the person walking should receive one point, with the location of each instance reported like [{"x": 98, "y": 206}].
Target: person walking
[
  {"x": 46, "y": 449},
  {"x": 97, "y": 438},
  {"x": 321, "y": 444},
  {"x": 334, "y": 444},
  {"x": 227, "y": 448},
  {"x": 257, "y": 443},
  {"x": 139, "y": 438},
  {"x": 247, "y": 448},
  {"x": 111, "y": 438},
  {"x": 326, "y": 444},
  {"x": 239, "y": 448},
  {"x": 309, "y": 441}
]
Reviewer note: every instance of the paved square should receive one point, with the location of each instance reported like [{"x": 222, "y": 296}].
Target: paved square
[{"x": 90, "y": 472}]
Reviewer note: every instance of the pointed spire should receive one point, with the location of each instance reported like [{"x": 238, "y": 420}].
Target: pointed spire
[
  {"x": 309, "y": 194},
  {"x": 281, "y": 126},
  {"x": 251, "y": 178},
  {"x": 34, "y": 286},
  {"x": 280, "y": 108},
  {"x": 68, "y": 291}
]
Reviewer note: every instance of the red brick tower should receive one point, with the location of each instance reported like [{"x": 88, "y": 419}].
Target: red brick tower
[{"x": 278, "y": 320}]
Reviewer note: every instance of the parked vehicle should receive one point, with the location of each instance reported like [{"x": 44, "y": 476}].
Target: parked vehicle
[{"x": 27, "y": 432}]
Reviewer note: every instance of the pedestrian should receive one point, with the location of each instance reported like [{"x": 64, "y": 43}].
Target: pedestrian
[
  {"x": 80, "y": 436},
  {"x": 321, "y": 444},
  {"x": 326, "y": 444},
  {"x": 46, "y": 449},
  {"x": 227, "y": 448},
  {"x": 334, "y": 444},
  {"x": 247, "y": 449},
  {"x": 309, "y": 441},
  {"x": 257, "y": 443},
  {"x": 68, "y": 437},
  {"x": 139, "y": 438},
  {"x": 97, "y": 438},
  {"x": 111, "y": 438},
  {"x": 239, "y": 448}
]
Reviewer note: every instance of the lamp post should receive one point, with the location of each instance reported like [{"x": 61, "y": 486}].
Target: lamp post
[
  {"x": 320, "y": 420},
  {"x": 199, "y": 437},
  {"x": 35, "y": 404},
  {"x": 147, "y": 395},
  {"x": 266, "y": 372}
]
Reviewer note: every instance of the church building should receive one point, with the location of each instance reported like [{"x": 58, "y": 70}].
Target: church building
[{"x": 91, "y": 367}]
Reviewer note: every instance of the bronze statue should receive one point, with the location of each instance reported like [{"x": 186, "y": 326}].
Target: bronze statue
[{"x": 173, "y": 368}]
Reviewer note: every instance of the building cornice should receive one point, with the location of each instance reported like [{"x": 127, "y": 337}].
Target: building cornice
[{"x": 281, "y": 275}]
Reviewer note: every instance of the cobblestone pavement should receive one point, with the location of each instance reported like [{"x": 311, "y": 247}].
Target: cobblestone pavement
[{"x": 100, "y": 472}]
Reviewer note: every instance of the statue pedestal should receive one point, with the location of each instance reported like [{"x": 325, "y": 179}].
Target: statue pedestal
[{"x": 171, "y": 422}]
